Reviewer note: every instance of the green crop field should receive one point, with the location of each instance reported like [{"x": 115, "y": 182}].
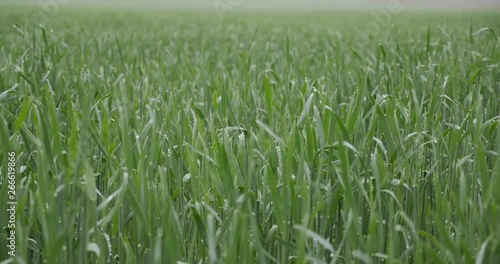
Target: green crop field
[{"x": 266, "y": 137}]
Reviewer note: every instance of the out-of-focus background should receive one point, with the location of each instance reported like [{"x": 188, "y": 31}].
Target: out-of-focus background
[{"x": 269, "y": 4}]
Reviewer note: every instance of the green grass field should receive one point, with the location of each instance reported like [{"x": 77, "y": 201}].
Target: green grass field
[{"x": 175, "y": 137}]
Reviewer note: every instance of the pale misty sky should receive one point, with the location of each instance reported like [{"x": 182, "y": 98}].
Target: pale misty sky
[{"x": 272, "y": 4}]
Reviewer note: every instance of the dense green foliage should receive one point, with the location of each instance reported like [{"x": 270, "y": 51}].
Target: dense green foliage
[{"x": 270, "y": 138}]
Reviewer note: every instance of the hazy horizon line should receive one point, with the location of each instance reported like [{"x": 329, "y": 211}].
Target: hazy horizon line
[{"x": 277, "y": 5}]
